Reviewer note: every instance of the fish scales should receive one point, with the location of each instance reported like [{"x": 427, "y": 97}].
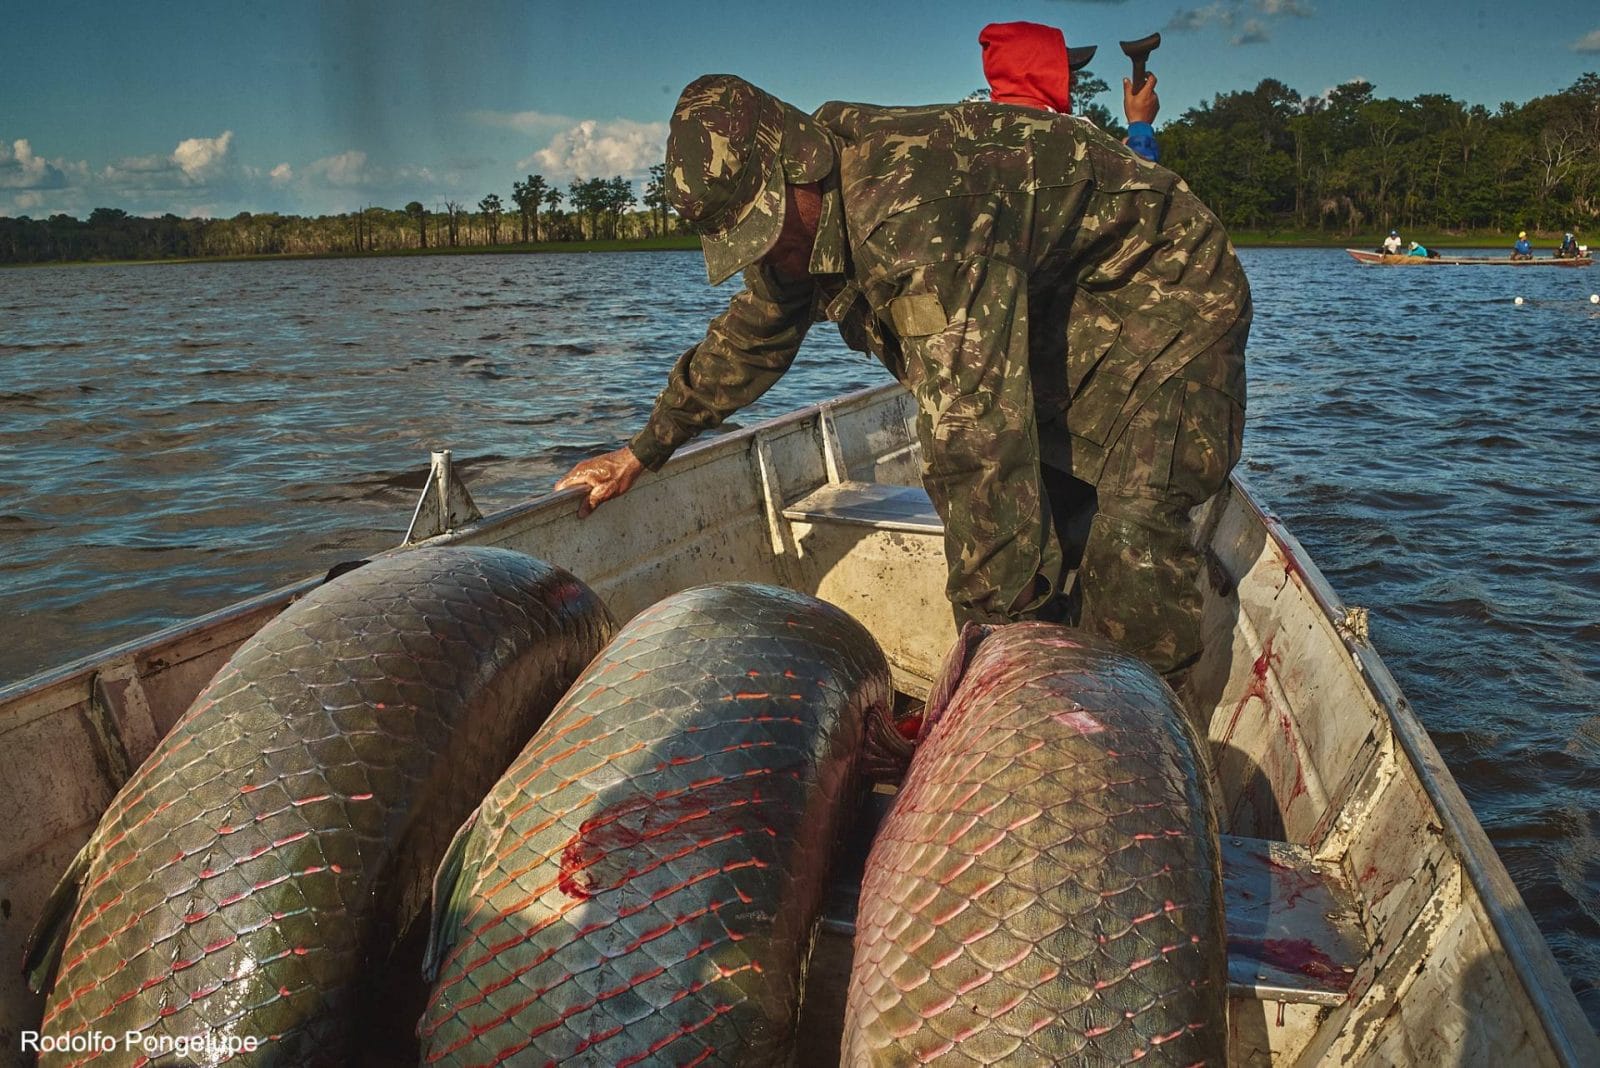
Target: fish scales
[
  {"x": 1047, "y": 887},
  {"x": 643, "y": 884},
  {"x": 247, "y": 880}
]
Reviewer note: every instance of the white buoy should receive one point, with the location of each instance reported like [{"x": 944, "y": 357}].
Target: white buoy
[
  {"x": 1517, "y": 301},
  {"x": 1594, "y": 298}
]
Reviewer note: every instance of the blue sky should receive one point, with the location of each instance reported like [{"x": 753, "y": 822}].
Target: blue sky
[{"x": 211, "y": 108}]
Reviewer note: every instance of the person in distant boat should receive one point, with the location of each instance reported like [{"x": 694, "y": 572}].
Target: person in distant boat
[
  {"x": 1416, "y": 250},
  {"x": 1029, "y": 64},
  {"x": 1522, "y": 250},
  {"x": 1070, "y": 321},
  {"x": 1392, "y": 245},
  {"x": 1568, "y": 249}
]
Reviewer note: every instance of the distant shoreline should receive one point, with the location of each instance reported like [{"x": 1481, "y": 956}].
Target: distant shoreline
[
  {"x": 650, "y": 244},
  {"x": 1241, "y": 239}
]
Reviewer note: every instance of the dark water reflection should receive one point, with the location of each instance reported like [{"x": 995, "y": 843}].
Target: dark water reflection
[{"x": 173, "y": 438}]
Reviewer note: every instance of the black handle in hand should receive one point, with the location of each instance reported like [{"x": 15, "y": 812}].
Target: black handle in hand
[{"x": 1139, "y": 51}]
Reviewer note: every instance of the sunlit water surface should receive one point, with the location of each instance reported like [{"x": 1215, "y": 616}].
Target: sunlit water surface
[{"x": 173, "y": 438}]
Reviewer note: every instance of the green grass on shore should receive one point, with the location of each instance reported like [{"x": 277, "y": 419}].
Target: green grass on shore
[
  {"x": 1241, "y": 238},
  {"x": 647, "y": 244}
]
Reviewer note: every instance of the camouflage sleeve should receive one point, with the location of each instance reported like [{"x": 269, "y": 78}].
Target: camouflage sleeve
[
  {"x": 746, "y": 349},
  {"x": 963, "y": 328}
]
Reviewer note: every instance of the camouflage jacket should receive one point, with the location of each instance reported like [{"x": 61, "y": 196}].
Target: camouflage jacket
[
  {"x": 985, "y": 238},
  {"x": 1033, "y": 284}
]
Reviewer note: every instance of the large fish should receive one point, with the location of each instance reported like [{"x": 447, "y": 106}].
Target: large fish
[
  {"x": 1046, "y": 889},
  {"x": 643, "y": 884},
  {"x": 242, "y": 890}
]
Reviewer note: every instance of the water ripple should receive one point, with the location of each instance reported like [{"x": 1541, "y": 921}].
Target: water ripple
[{"x": 191, "y": 435}]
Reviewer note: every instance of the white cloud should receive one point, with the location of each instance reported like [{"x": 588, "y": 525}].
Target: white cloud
[
  {"x": 1254, "y": 31},
  {"x": 594, "y": 149},
  {"x": 198, "y": 176},
  {"x": 1226, "y": 13},
  {"x": 20, "y": 168},
  {"x": 1194, "y": 18},
  {"x": 343, "y": 181},
  {"x": 1357, "y": 80},
  {"x": 345, "y": 169},
  {"x": 202, "y": 157},
  {"x": 141, "y": 172},
  {"x": 197, "y": 161},
  {"x": 525, "y": 121},
  {"x": 1589, "y": 43}
]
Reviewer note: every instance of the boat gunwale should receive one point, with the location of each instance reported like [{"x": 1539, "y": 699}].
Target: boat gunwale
[
  {"x": 693, "y": 454},
  {"x": 1571, "y": 1037},
  {"x": 32, "y": 689},
  {"x": 26, "y": 691}
]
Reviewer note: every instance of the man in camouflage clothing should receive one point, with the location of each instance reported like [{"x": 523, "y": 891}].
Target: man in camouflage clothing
[{"x": 1070, "y": 318}]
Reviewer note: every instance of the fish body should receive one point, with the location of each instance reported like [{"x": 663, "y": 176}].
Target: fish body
[
  {"x": 1047, "y": 886},
  {"x": 243, "y": 889},
  {"x": 643, "y": 884}
]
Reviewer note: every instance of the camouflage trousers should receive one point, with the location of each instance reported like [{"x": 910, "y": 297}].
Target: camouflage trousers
[{"x": 1129, "y": 535}]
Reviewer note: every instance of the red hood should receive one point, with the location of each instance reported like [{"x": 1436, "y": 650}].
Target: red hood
[{"x": 1026, "y": 63}]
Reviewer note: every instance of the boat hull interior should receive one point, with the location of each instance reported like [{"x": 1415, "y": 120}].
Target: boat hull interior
[{"x": 1369, "y": 920}]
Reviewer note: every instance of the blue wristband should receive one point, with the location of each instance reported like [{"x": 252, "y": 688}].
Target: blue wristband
[{"x": 1142, "y": 140}]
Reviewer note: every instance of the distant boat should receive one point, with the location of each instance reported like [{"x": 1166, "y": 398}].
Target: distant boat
[{"x": 1383, "y": 259}]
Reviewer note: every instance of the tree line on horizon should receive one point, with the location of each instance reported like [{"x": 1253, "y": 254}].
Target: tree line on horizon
[
  {"x": 536, "y": 211},
  {"x": 1351, "y": 162},
  {"x": 1265, "y": 158}
]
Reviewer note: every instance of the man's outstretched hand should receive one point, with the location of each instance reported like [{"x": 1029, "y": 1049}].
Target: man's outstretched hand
[{"x": 607, "y": 476}]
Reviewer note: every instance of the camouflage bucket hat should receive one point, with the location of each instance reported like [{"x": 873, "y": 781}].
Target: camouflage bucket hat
[{"x": 729, "y": 152}]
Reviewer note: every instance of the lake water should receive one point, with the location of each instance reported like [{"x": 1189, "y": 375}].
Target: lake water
[{"x": 174, "y": 438}]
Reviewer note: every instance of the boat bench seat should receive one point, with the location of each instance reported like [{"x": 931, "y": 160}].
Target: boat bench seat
[
  {"x": 870, "y": 504},
  {"x": 1293, "y": 923}
]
